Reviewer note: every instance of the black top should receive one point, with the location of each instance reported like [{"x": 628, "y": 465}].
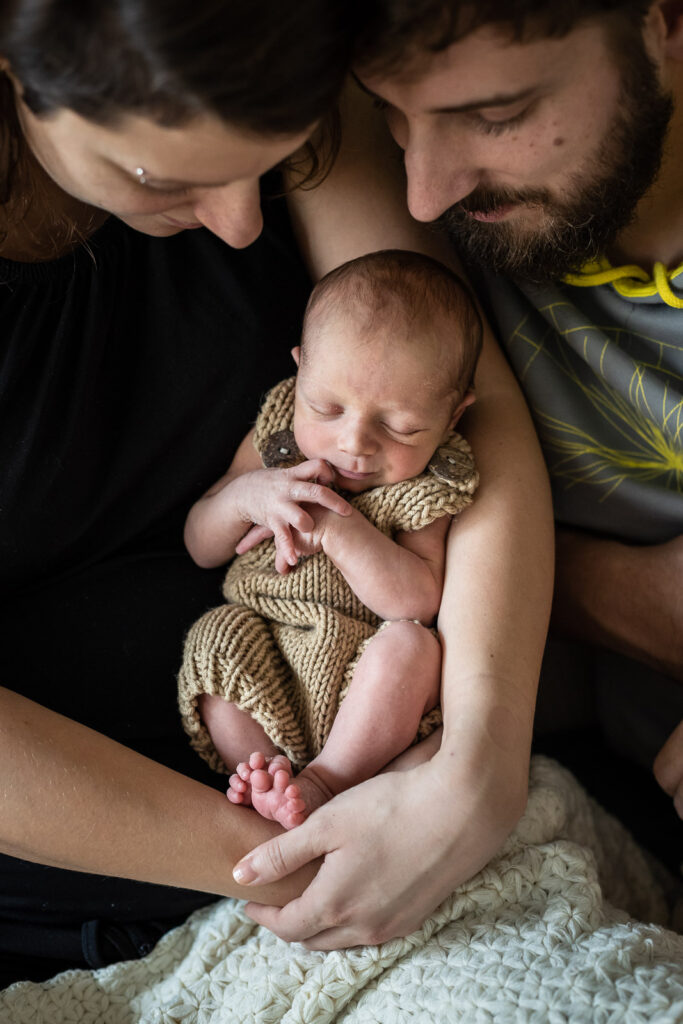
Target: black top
[{"x": 130, "y": 371}]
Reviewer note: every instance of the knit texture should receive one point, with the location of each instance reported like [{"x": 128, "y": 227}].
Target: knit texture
[
  {"x": 284, "y": 647},
  {"x": 564, "y": 926}
]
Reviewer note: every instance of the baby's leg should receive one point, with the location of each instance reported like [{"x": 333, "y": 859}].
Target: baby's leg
[
  {"x": 397, "y": 680},
  {"x": 235, "y": 734}
]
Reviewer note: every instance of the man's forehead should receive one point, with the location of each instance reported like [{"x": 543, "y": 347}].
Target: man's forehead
[{"x": 484, "y": 67}]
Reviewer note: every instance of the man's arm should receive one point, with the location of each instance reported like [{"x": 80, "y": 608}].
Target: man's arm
[
  {"x": 624, "y": 597},
  {"x": 465, "y": 800}
]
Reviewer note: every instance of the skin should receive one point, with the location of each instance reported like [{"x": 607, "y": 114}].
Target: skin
[
  {"x": 373, "y": 406},
  {"x": 96, "y": 166},
  {"x": 486, "y": 112},
  {"x": 492, "y": 632},
  {"x": 492, "y": 629},
  {"x": 94, "y": 781}
]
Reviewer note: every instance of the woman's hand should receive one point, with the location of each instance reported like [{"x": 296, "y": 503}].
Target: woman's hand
[{"x": 394, "y": 848}]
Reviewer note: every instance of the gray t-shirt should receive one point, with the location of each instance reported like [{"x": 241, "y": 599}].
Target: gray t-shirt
[{"x": 601, "y": 366}]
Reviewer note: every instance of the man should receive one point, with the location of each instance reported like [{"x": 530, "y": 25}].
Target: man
[{"x": 547, "y": 141}]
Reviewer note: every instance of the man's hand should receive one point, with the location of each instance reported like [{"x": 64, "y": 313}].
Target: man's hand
[
  {"x": 394, "y": 847},
  {"x": 624, "y": 597},
  {"x": 668, "y": 768},
  {"x": 275, "y": 501}
]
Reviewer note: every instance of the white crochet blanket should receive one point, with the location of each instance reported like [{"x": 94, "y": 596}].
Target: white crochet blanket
[{"x": 558, "y": 928}]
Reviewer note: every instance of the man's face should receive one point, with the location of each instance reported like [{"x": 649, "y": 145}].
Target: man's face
[{"x": 532, "y": 156}]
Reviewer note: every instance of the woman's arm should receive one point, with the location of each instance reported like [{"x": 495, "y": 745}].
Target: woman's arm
[{"x": 72, "y": 798}]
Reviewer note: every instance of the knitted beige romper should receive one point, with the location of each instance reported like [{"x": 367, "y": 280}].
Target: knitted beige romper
[{"x": 284, "y": 647}]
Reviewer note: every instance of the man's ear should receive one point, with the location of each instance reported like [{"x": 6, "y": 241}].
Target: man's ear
[
  {"x": 666, "y": 16},
  {"x": 296, "y": 354},
  {"x": 467, "y": 399}
]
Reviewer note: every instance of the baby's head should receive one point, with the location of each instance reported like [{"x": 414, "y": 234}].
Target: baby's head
[{"x": 386, "y": 364}]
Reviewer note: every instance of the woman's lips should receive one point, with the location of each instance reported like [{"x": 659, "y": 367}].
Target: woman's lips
[{"x": 182, "y": 224}]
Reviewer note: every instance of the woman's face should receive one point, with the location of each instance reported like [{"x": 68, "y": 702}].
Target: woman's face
[{"x": 161, "y": 180}]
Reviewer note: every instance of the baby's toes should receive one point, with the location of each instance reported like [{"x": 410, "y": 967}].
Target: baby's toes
[
  {"x": 282, "y": 779},
  {"x": 237, "y": 784},
  {"x": 295, "y": 803},
  {"x": 280, "y": 763},
  {"x": 261, "y": 781}
]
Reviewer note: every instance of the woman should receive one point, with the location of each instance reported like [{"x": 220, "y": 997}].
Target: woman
[{"x": 126, "y": 353}]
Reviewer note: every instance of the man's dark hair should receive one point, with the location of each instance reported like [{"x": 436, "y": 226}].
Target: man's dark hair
[
  {"x": 399, "y": 29},
  {"x": 395, "y": 286}
]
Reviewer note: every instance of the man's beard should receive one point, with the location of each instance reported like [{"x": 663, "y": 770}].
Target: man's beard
[{"x": 581, "y": 226}]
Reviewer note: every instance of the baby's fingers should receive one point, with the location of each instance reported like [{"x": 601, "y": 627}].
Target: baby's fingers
[
  {"x": 328, "y": 499},
  {"x": 285, "y": 552},
  {"x": 253, "y": 537},
  {"x": 314, "y": 469},
  {"x": 316, "y": 494}
]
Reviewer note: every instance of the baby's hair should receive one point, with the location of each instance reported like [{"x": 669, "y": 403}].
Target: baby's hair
[{"x": 405, "y": 288}]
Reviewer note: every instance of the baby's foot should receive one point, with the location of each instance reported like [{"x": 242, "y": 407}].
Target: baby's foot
[
  {"x": 273, "y": 793},
  {"x": 239, "y": 784}
]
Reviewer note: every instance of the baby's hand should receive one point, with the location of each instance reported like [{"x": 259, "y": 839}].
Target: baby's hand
[{"x": 272, "y": 500}]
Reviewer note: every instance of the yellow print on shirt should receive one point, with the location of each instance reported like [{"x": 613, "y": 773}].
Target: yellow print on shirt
[{"x": 647, "y": 433}]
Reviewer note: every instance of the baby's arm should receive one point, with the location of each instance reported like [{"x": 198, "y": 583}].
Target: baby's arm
[
  {"x": 249, "y": 494},
  {"x": 396, "y": 579}
]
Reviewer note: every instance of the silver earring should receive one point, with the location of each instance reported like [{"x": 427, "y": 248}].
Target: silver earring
[{"x": 142, "y": 178}]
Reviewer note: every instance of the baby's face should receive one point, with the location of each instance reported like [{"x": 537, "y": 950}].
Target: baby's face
[{"x": 375, "y": 409}]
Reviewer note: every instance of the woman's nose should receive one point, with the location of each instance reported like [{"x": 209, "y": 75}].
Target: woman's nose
[{"x": 232, "y": 212}]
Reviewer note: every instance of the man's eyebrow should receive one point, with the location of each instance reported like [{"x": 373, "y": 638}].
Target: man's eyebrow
[{"x": 498, "y": 100}]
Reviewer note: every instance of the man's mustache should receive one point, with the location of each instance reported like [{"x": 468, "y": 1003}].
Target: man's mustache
[{"x": 483, "y": 200}]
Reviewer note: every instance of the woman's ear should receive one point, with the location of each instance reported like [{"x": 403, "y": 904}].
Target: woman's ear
[
  {"x": 467, "y": 399},
  {"x": 296, "y": 354}
]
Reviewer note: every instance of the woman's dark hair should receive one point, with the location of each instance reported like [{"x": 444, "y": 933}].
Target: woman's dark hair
[
  {"x": 266, "y": 66},
  {"x": 263, "y": 65},
  {"x": 397, "y": 30}
]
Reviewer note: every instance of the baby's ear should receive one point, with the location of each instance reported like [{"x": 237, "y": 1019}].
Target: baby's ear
[
  {"x": 296, "y": 354},
  {"x": 467, "y": 399}
]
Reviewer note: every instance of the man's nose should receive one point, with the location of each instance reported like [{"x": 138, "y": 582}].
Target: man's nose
[
  {"x": 439, "y": 173},
  {"x": 232, "y": 212}
]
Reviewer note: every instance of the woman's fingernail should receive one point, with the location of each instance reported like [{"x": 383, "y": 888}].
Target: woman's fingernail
[{"x": 243, "y": 873}]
